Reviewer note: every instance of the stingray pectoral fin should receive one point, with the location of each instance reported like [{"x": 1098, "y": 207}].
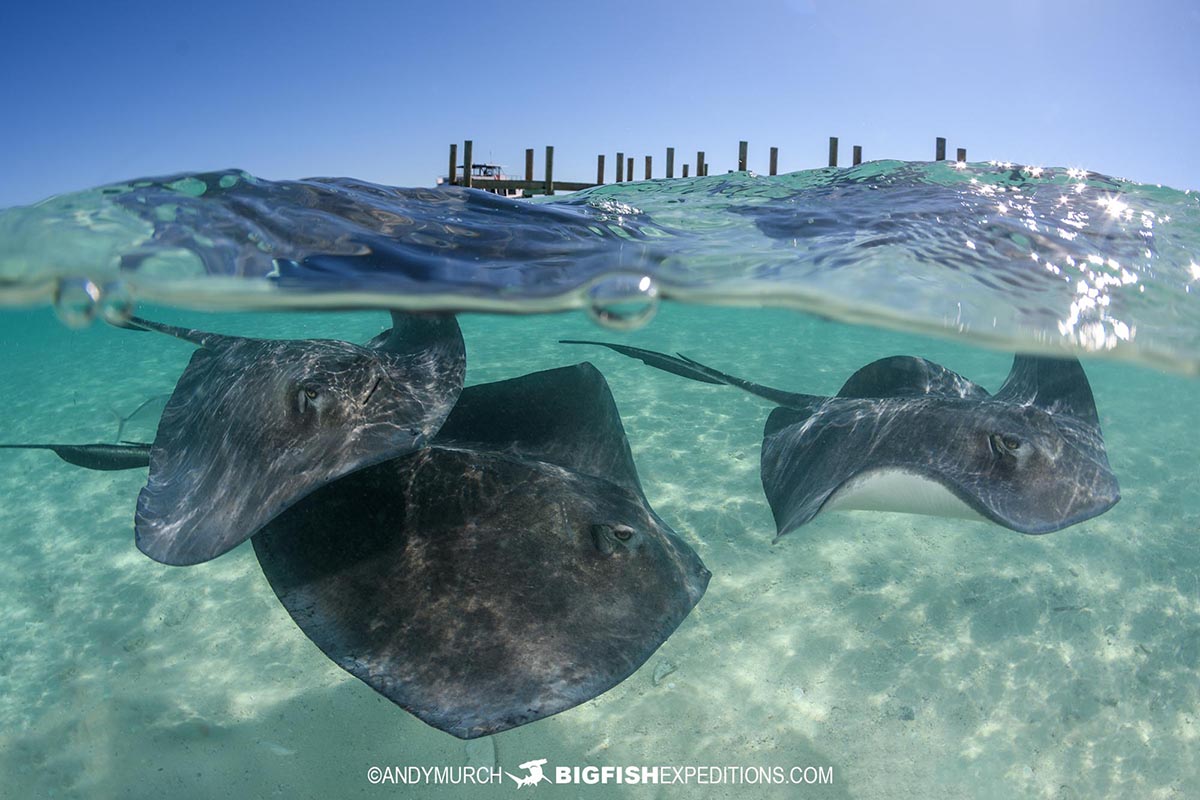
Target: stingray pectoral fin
[
  {"x": 106, "y": 457},
  {"x": 412, "y": 332},
  {"x": 909, "y": 376},
  {"x": 1056, "y": 385},
  {"x": 795, "y": 497},
  {"x": 563, "y": 416}
]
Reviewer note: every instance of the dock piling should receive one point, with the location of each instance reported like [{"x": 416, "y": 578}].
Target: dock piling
[{"x": 492, "y": 180}]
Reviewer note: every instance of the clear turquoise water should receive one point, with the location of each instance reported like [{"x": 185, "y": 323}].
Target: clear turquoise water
[{"x": 916, "y": 656}]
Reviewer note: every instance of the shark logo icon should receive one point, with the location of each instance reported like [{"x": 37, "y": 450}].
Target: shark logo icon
[{"x": 535, "y": 776}]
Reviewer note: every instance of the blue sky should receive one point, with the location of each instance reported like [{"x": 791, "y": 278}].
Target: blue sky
[{"x": 99, "y": 92}]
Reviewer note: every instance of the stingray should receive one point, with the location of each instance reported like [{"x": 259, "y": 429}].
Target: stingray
[
  {"x": 510, "y": 571},
  {"x": 255, "y": 424},
  {"x": 906, "y": 434},
  {"x": 108, "y": 457}
]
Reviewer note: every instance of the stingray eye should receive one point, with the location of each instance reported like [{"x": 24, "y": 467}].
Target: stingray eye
[
  {"x": 612, "y": 538},
  {"x": 1004, "y": 444},
  {"x": 306, "y": 397}
]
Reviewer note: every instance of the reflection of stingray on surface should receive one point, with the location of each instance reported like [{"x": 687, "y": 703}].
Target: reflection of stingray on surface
[
  {"x": 255, "y": 424},
  {"x": 509, "y": 572},
  {"x": 905, "y": 434}
]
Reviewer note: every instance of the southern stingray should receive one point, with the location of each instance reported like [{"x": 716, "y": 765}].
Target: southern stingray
[
  {"x": 511, "y": 570},
  {"x": 255, "y": 424},
  {"x": 906, "y": 434}
]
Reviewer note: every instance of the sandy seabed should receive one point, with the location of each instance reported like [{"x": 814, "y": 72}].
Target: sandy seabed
[{"x": 914, "y": 656}]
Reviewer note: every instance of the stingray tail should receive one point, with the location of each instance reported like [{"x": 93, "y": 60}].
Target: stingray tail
[
  {"x": 196, "y": 337},
  {"x": 127, "y": 455},
  {"x": 685, "y": 367}
]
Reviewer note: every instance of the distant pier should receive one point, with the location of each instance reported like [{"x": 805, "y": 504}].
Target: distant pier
[{"x": 488, "y": 176}]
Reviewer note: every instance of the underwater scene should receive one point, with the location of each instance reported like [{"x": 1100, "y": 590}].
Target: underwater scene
[{"x": 859, "y": 483}]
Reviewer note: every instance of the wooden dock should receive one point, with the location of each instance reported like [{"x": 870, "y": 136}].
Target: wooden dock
[{"x": 623, "y": 168}]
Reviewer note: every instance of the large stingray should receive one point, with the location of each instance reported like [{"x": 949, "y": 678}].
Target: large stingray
[
  {"x": 255, "y": 424},
  {"x": 510, "y": 571},
  {"x": 906, "y": 434}
]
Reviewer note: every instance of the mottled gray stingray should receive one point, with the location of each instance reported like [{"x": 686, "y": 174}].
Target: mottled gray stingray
[
  {"x": 510, "y": 571},
  {"x": 905, "y": 434},
  {"x": 255, "y": 424}
]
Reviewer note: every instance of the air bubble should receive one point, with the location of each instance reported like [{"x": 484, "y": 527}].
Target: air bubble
[
  {"x": 75, "y": 302},
  {"x": 623, "y": 301},
  {"x": 116, "y": 304}
]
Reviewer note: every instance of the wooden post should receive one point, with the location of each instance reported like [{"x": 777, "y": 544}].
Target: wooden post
[
  {"x": 629, "y": 167},
  {"x": 685, "y": 169},
  {"x": 833, "y": 151},
  {"x": 549, "y": 169},
  {"x": 529, "y": 163},
  {"x": 940, "y": 149},
  {"x": 647, "y": 167},
  {"x": 962, "y": 155},
  {"x": 743, "y": 155},
  {"x": 467, "y": 163},
  {"x": 670, "y": 162},
  {"x": 774, "y": 160},
  {"x": 600, "y": 168},
  {"x": 699, "y": 163},
  {"x": 857, "y": 154},
  {"x": 452, "y": 175},
  {"x": 620, "y": 167}
]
